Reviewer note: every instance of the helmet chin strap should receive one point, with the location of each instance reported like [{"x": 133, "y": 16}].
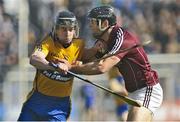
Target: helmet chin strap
[
  {"x": 103, "y": 32},
  {"x": 102, "y": 52}
]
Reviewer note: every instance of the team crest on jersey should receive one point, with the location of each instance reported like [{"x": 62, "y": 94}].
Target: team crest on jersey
[{"x": 54, "y": 75}]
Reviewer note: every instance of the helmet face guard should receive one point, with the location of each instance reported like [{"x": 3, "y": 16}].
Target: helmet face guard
[
  {"x": 66, "y": 22},
  {"x": 100, "y": 14},
  {"x": 67, "y": 19}
]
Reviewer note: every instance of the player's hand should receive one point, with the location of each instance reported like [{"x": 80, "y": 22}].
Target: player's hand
[
  {"x": 62, "y": 67},
  {"x": 100, "y": 46},
  {"x": 59, "y": 66},
  {"x": 63, "y": 61},
  {"x": 77, "y": 63}
]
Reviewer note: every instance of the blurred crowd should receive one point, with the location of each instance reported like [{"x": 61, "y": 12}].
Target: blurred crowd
[
  {"x": 8, "y": 47},
  {"x": 155, "y": 20},
  {"x": 8, "y": 42}
]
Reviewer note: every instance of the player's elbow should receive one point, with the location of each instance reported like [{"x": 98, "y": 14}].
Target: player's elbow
[{"x": 31, "y": 60}]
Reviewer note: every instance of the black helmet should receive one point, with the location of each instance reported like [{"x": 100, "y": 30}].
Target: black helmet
[
  {"x": 66, "y": 18},
  {"x": 102, "y": 13}
]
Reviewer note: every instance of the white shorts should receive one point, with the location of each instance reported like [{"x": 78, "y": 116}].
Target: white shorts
[{"x": 150, "y": 97}]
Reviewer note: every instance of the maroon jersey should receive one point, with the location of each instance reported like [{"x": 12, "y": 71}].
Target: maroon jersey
[{"x": 134, "y": 64}]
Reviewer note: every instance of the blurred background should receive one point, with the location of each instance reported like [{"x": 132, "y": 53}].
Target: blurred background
[{"x": 24, "y": 22}]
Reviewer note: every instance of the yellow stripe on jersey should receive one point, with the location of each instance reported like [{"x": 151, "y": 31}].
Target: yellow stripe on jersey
[{"x": 52, "y": 83}]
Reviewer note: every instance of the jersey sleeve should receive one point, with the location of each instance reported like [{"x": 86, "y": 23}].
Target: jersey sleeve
[
  {"x": 43, "y": 46},
  {"x": 123, "y": 39},
  {"x": 119, "y": 43}
]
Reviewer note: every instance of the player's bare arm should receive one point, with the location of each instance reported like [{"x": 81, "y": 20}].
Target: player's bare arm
[
  {"x": 89, "y": 54},
  {"x": 93, "y": 68},
  {"x": 38, "y": 60}
]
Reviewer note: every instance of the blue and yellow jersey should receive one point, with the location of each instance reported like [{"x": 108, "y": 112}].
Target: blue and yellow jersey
[{"x": 52, "y": 83}]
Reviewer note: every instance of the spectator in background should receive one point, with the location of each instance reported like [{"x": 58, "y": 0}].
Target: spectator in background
[
  {"x": 148, "y": 19},
  {"x": 8, "y": 48},
  {"x": 80, "y": 8},
  {"x": 143, "y": 18},
  {"x": 116, "y": 83},
  {"x": 32, "y": 37},
  {"x": 88, "y": 95},
  {"x": 167, "y": 33},
  {"x": 43, "y": 11},
  {"x": 8, "y": 43}
]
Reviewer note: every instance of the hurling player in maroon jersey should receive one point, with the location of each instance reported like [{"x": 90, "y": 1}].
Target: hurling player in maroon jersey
[{"x": 141, "y": 81}]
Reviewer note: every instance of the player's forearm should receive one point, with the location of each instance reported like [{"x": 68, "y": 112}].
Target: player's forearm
[
  {"x": 94, "y": 68},
  {"x": 87, "y": 69},
  {"x": 40, "y": 63}
]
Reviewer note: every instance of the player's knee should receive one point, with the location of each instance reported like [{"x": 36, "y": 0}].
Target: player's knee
[{"x": 139, "y": 114}]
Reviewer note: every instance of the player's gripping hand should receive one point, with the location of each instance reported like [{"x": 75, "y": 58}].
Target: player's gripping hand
[
  {"x": 59, "y": 66},
  {"x": 101, "y": 48},
  {"x": 62, "y": 67},
  {"x": 77, "y": 63},
  {"x": 63, "y": 61}
]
